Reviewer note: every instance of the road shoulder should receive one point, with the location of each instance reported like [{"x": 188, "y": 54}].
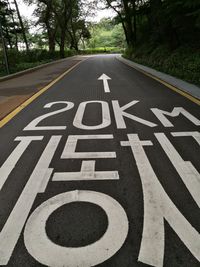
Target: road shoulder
[
  {"x": 16, "y": 90},
  {"x": 186, "y": 88}
]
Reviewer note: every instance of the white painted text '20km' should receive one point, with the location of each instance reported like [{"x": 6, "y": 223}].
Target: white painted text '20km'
[{"x": 120, "y": 114}]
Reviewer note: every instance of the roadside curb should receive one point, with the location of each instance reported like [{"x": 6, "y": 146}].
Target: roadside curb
[
  {"x": 23, "y": 72},
  {"x": 186, "y": 89}
]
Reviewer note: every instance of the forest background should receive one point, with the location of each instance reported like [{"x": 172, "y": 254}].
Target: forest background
[{"x": 163, "y": 34}]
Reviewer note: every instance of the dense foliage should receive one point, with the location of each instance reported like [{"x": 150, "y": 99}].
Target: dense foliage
[
  {"x": 163, "y": 34},
  {"x": 106, "y": 34},
  {"x": 63, "y": 21},
  {"x": 12, "y": 27},
  {"x": 183, "y": 62},
  {"x": 170, "y": 22}
]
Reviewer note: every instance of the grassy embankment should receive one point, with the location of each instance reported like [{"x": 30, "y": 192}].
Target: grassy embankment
[
  {"x": 19, "y": 61},
  {"x": 183, "y": 63}
]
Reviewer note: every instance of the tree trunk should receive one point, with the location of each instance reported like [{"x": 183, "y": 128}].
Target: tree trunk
[
  {"x": 13, "y": 20},
  {"x": 4, "y": 48},
  {"x": 8, "y": 37},
  {"x": 62, "y": 43},
  {"x": 129, "y": 25},
  {"x": 63, "y": 18},
  {"x": 75, "y": 42},
  {"x": 83, "y": 43},
  {"x": 22, "y": 25},
  {"x": 50, "y": 31},
  {"x": 74, "y": 45},
  {"x": 51, "y": 39},
  {"x": 155, "y": 20},
  {"x": 52, "y": 45},
  {"x": 172, "y": 37},
  {"x": 134, "y": 21}
]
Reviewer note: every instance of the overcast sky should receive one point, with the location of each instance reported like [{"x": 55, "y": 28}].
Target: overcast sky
[{"x": 27, "y": 11}]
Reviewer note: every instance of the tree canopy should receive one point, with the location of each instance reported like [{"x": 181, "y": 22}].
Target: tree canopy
[
  {"x": 106, "y": 33},
  {"x": 13, "y": 28},
  {"x": 64, "y": 24},
  {"x": 172, "y": 22}
]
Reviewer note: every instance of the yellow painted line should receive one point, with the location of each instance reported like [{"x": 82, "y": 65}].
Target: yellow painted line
[
  {"x": 32, "y": 98},
  {"x": 172, "y": 87}
]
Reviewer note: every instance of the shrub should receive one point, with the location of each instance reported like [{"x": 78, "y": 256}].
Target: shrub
[{"x": 183, "y": 62}]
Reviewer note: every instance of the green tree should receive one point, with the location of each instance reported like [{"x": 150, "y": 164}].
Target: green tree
[
  {"x": 126, "y": 13},
  {"x": 106, "y": 33},
  {"x": 170, "y": 22},
  {"x": 10, "y": 27},
  {"x": 21, "y": 25},
  {"x": 64, "y": 21}
]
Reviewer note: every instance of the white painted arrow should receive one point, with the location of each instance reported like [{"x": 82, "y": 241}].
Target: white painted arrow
[{"x": 105, "y": 79}]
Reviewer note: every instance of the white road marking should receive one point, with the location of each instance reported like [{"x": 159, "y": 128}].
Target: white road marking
[
  {"x": 45, "y": 180},
  {"x": 32, "y": 126},
  {"x": 14, "y": 157},
  {"x": 91, "y": 174},
  {"x": 70, "y": 147},
  {"x": 15, "y": 222},
  {"x": 120, "y": 114},
  {"x": 160, "y": 114},
  {"x": 157, "y": 208},
  {"x": 88, "y": 167},
  {"x": 185, "y": 169},
  {"x": 195, "y": 135},
  {"x": 106, "y": 120},
  {"x": 50, "y": 254},
  {"x": 105, "y": 79}
]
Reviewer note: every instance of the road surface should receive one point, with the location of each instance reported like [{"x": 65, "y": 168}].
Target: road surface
[{"x": 102, "y": 169}]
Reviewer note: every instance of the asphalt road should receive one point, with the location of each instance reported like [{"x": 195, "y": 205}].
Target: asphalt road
[{"x": 109, "y": 177}]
